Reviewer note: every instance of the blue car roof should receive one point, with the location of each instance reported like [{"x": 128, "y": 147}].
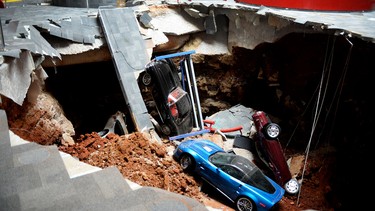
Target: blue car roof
[{"x": 201, "y": 146}]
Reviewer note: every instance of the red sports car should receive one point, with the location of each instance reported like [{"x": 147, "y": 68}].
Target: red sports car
[{"x": 270, "y": 151}]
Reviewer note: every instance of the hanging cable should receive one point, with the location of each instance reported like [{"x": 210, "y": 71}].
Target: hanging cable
[
  {"x": 311, "y": 99},
  {"x": 301, "y": 117},
  {"x": 342, "y": 79},
  {"x": 316, "y": 115},
  {"x": 328, "y": 72}
]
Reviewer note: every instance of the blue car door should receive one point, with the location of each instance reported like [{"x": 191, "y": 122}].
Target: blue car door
[
  {"x": 228, "y": 182},
  {"x": 210, "y": 173}
]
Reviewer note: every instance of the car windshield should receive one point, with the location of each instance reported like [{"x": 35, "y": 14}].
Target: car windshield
[{"x": 242, "y": 169}]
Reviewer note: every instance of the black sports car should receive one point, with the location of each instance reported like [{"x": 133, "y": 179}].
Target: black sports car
[{"x": 173, "y": 104}]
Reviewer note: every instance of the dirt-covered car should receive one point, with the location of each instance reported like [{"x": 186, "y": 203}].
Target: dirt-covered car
[
  {"x": 271, "y": 153},
  {"x": 115, "y": 124},
  {"x": 173, "y": 104},
  {"x": 236, "y": 177}
]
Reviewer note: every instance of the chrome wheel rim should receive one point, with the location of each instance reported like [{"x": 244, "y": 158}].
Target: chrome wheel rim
[
  {"x": 244, "y": 204},
  {"x": 146, "y": 79},
  {"x": 273, "y": 131},
  {"x": 185, "y": 162},
  {"x": 292, "y": 186}
]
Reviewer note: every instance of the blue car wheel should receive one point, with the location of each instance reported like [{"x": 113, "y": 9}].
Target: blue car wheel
[
  {"x": 245, "y": 204},
  {"x": 187, "y": 162}
]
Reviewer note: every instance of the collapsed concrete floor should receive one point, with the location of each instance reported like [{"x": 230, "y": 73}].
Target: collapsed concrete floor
[{"x": 281, "y": 78}]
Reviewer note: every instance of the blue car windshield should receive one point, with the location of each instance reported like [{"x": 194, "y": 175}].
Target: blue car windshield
[{"x": 242, "y": 169}]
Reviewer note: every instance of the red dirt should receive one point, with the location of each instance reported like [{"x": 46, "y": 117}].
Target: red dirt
[{"x": 148, "y": 163}]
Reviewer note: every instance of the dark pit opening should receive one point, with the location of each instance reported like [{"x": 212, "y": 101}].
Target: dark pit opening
[{"x": 89, "y": 95}]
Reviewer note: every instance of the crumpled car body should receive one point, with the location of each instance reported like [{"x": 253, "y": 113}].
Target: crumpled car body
[{"x": 115, "y": 124}]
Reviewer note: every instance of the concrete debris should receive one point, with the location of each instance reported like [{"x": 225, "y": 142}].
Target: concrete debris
[{"x": 15, "y": 72}]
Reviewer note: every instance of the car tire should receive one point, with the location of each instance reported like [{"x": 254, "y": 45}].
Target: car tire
[
  {"x": 166, "y": 130},
  {"x": 245, "y": 204},
  {"x": 292, "y": 187},
  {"x": 272, "y": 131},
  {"x": 146, "y": 79},
  {"x": 187, "y": 162}
]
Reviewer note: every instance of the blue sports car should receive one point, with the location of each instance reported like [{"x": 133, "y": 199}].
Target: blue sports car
[{"x": 240, "y": 180}]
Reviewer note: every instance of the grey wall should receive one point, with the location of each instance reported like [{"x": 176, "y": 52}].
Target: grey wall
[{"x": 84, "y": 3}]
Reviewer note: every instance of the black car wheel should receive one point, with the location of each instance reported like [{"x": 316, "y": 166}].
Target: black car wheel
[
  {"x": 146, "y": 79},
  {"x": 245, "y": 204},
  {"x": 272, "y": 130},
  {"x": 187, "y": 162},
  {"x": 166, "y": 130}
]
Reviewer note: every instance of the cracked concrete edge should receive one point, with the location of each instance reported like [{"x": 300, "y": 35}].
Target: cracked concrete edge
[{"x": 74, "y": 167}]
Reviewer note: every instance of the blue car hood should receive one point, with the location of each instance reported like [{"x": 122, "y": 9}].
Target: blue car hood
[{"x": 204, "y": 148}]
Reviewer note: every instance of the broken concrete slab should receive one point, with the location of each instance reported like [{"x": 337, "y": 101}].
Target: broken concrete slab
[
  {"x": 15, "y": 72},
  {"x": 5, "y": 146},
  {"x": 238, "y": 115},
  {"x": 175, "y": 21},
  {"x": 129, "y": 54}
]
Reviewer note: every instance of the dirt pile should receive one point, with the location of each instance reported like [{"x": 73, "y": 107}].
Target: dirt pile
[{"x": 138, "y": 159}]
